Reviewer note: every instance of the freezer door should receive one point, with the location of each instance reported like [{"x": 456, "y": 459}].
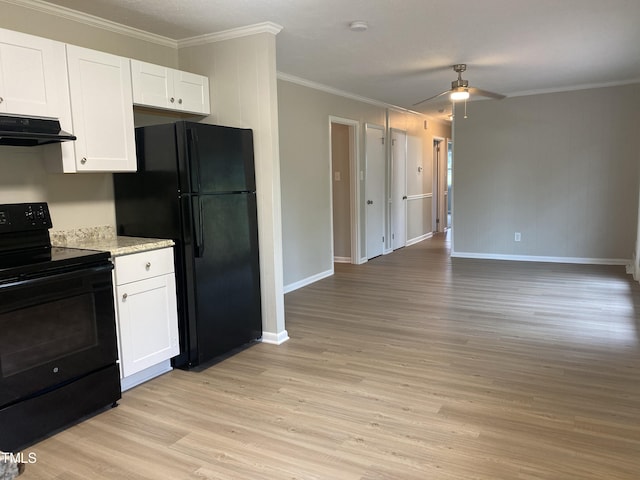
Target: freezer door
[
  {"x": 227, "y": 273},
  {"x": 220, "y": 158}
]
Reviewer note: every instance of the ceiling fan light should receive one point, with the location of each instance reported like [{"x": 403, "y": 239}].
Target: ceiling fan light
[{"x": 462, "y": 94}]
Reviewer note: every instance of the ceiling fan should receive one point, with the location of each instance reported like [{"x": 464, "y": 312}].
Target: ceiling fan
[{"x": 460, "y": 89}]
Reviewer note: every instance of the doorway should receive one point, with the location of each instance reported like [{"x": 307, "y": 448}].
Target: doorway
[
  {"x": 449, "y": 182},
  {"x": 345, "y": 212},
  {"x": 440, "y": 185}
]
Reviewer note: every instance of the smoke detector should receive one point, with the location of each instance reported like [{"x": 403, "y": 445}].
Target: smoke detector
[{"x": 358, "y": 26}]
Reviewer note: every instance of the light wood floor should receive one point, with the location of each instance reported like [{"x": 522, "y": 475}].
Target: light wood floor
[{"x": 413, "y": 366}]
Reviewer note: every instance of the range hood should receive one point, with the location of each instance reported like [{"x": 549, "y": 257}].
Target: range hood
[{"x": 22, "y": 131}]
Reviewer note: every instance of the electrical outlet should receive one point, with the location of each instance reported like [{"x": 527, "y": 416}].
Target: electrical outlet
[{"x": 517, "y": 237}]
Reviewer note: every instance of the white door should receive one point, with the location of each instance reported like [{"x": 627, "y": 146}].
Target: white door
[
  {"x": 374, "y": 189},
  {"x": 33, "y": 76},
  {"x": 192, "y": 92},
  {"x": 152, "y": 84},
  {"x": 398, "y": 189},
  {"x": 147, "y": 315}
]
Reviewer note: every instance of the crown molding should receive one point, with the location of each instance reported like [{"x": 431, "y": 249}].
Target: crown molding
[
  {"x": 264, "y": 27},
  {"x": 341, "y": 93},
  {"x": 574, "y": 88},
  {"x": 92, "y": 20}
]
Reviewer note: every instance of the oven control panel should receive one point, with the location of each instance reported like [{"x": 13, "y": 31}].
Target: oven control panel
[{"x": 20, "y": 217}]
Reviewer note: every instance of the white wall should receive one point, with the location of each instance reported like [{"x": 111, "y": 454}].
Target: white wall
[
  {"x": 242, "y": 75},
  {"x": 560, "y": 168},
  {"x": 306, "y": 173}
]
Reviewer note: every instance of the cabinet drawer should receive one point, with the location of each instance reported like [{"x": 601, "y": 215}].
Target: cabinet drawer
[{"x": 142, "y": 265}]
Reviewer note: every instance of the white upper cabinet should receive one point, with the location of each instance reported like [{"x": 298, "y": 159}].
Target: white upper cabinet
[
  {"x": 169, "y": 89},
  {"x": 33, "y": 76},
  {"x": 191, "y": 92},
  {"x": 102, "y": 111}
]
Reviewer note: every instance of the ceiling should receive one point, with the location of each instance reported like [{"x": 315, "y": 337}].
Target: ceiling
[{"x": 513, "y": 47}]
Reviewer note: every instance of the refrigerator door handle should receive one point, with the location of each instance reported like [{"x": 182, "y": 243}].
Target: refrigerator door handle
[
  {"x": 198, "y": 225},
  {"x": 195, "y": 160}
]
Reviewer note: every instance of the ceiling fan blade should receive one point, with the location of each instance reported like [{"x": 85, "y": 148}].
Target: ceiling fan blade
[
  {"x": 485, "y": 93},
  {"x": 431, "y": 98}
]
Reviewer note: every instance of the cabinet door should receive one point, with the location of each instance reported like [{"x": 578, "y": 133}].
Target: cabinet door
[
  {"x": 33, "y": 75},
  {"x": 148, "y": 323},
  {"x": 192, "y": 92},
  {"x": 102, "y": 110},
  {"x": 152, "y": 85},
  {"x": 170, "y": 89}
]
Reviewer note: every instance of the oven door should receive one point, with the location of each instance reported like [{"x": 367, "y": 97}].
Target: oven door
[{"x": 55, "y": 329}]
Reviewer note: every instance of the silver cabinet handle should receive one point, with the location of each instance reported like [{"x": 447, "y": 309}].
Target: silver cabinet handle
[
  {"x": 83, "y": 160},
  {"x": 148, "y": 265},
  {"x": 369, "y": 202},
  {"x": 180, "y": 101},
  {"x": 172, "y": 99},
  {"x": 124, "y": 296},
  {"x": 1, "y": 99}
]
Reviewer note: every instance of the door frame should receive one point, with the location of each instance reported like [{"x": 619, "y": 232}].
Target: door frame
[
  {"x": 354, "y": 187},
  {"x": 392, "y": 192},
  {"x": 438, "y": 188}
]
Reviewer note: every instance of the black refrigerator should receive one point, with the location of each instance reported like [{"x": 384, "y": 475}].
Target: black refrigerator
[{"x": 195, "y": 184}]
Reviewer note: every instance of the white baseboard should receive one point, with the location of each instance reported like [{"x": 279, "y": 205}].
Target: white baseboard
[
  {"x": 633, "y": 268},
  {"x": 307, "y": 281},
  {"x": 341, "y": 259},
  {"x": 145, "y": 375},
  {"x": 542, "y": 259},
  {"x": 275, "y": 338},
  {"x": 419, "y": 239}
]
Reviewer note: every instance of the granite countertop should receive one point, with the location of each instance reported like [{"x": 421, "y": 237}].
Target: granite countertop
[{"x": 106, "y": 240}]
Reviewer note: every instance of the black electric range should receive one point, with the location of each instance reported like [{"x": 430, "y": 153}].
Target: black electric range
[{"x": 58, "y": 347}]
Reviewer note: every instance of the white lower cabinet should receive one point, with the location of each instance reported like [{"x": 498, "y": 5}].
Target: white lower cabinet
[{"x": 147, "y": 316}]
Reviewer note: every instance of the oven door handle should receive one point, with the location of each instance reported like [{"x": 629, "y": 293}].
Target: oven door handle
[{"x": 68, "y": 275}]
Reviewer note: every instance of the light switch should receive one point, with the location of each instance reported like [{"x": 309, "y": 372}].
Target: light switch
[{"x": 336, "y": 176}]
